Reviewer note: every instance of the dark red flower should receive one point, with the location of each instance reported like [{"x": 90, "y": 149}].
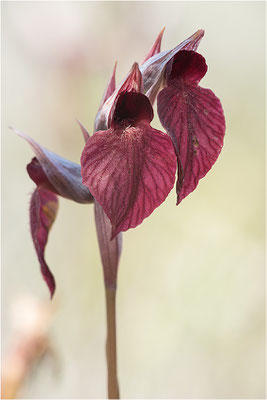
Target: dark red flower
[
  {"x": 127, "y": 167},
  {"x": 130, "y": 167}
]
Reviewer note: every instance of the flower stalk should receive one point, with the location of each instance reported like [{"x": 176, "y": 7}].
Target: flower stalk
[
  {"x": 111, "y": 348},
  {"x": 110, "y": 254}
]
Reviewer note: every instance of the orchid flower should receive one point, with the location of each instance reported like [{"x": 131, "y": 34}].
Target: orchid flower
[{"x": 128, "y": 168}]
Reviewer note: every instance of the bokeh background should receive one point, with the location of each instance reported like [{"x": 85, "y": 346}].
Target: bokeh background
[{"x": 191, "y": 280}]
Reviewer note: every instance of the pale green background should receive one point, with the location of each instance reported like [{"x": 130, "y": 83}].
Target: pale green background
[{"x": 191, "y": 278}]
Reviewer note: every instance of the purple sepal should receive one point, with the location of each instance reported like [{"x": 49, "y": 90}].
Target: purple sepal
[
  {"x": 155, "y": 49},
  {"x": 63, "y": 175}
]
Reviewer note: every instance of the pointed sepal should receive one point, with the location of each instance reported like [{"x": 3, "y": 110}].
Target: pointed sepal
[
  {"x": 110, "y": 88},
  {"x": 85, "y": 132},
  {"x": 63, "y": 175},
  {"x": 155, "y": 49}
]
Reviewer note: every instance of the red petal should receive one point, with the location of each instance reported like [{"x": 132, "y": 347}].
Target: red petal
[
  {"x": 194, "y": 118},
  {"x": 43, "y": 211},
  {"x": 131, "y": 108},
  {"x": 110, "y": 250},
  {"x": 130, "y": 171},
  {"x": 155, "y": 49},
  {"x": 188, "y": 66}
]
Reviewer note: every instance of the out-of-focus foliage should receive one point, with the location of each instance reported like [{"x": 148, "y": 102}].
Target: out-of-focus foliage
[{"x": 191, "y": 278}]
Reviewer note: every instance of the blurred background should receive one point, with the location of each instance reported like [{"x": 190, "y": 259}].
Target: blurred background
[{"x": 190, "y": 303}]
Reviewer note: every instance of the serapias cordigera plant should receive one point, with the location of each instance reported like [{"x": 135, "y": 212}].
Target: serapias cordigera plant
[{"x": 128, "y": 168}]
